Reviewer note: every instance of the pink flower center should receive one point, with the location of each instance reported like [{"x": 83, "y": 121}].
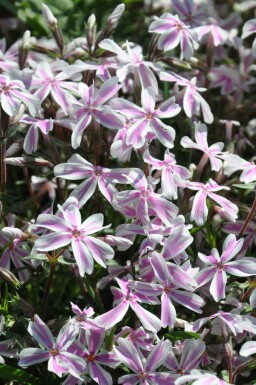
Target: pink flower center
[
  {"x": 167, "y": 289},
  {"x": 98, "y": 171},
  {"x": 149, "y": 115},
  {"x": 76, "y": 233},
  {"x": 145, "y": 193}
]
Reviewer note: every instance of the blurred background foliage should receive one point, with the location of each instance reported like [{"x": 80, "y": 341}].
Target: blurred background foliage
[{"x": 72, "y": 16}]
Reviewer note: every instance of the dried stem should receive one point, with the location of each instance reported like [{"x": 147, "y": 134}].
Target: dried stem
[{"x": 249, "y": 217}]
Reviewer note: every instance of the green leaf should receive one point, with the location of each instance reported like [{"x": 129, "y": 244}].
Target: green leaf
[
  {"x": 247, "y": 186},
  {"x": 2, "y": 250},
  {"x": 94, "y": 296},
  {"x": 41, "y": 257},
  {"x": 180, "y": 335},
  {"x": 10, "y": 373},
  {"x": 224, "y": 375},
  {"x": 195, "y": 229}
]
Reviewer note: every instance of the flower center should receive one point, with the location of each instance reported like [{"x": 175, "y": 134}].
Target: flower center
[
  {"x": 90, "y": 358},
  {"x": 54, "y": 352},
  {"x": 167, "y": 289},
  {"x": 76, "y": 233},
  {"x": 98, "y": 171}
]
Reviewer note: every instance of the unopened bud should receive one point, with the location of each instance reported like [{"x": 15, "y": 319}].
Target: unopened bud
[
  {"x": 28, "y": 161},
  {"x": 49, "y": 16},
  {"x": 115, "y": 16},
  {"x": 54, "y": 26},
  {"x": 91, "y": 30},
  {"x": 9, "y": 277}
]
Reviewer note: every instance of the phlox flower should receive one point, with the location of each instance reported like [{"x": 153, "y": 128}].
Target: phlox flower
[
  {"x": 71, "y": 230},
  {"x": 174, "y": 236},
  {"x": 144, "y": 200},
  {"x": 92, "y": 107},
  {"x": 201, "y": 378},
  {"x": 249, "y": 28},
  {"x": 13, "y": 93},
  {"x": 199, "y": 210},
  {"x": 222, "y": 323},
  {"x": 82, "y": 318},
  {"x": 190, "y": 358},
  {"x": 131, "y": 61},
  {"x": 228, "y": 79},
  {"x": 174, "y": 32},
  {"x": 170, "y": 279},
  {"x": 125, "y": 298},
  {"x": 91, "y": 342},
  {"x": 211, "y": 152},
  {"x": 78, "y": 168},
  {"x": 138, "y": 337},
  {"x": 189, "y": 12},
  {"x": 249, "y": 234},
  {"x": 218, "y": 35},
  {"x": 144, "y": 370},
  {"x": 234, "y": 163},
  {"x": 119, "y": 148},
  {"x": 220, "y": 265},
  {"x": 172, "y": 175},
  {"x": 193, "y": 102},
  {"x": 36, "y": 124},
  {"x": 50, "y": 79},
  {"x": 55, "y": 350},
  {"x": 16, "y": 250},
  {"x": 8, "y": 58},
  {"x": 147, "y": 118}
]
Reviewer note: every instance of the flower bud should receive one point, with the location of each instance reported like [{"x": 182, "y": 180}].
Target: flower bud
[
  {"x": 49, "y": 17},
  {"x": 115, "y": 16}
]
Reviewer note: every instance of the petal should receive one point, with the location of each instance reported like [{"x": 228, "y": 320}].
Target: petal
[
  {"x": 148, "y": 320},
  {"x": 248, "y": 349},
  {"x": 199, "y": 210},
  {"x": 85, "y": 190},
  {"x": 98, "y": 374},
  {"x": 218, "y": 285},
  {"x": 241, "y": 268},
  {"x": 31, "y": 140},
  {"x": 82, "y": 256},
  {"x": 53, "y": 241},
  {"x": 107, "y": 90},
  {"x": 79, "y": 129},
  {"x": 157, "y": 356},
  {"x": 99, "y": 250},
  {"x": 93, "y": 224},
  {"x": 113, "y": 316},
  {"x": 128, "y": 355},
  {"x": 168, "y": 312},
  {"x": 165, "y": 134},
  {"x": 31, "y": 356},
  {"x": 40, "y": 331}
]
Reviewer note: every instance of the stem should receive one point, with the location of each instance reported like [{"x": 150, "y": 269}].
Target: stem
[
  {"x": 249, "y": 217},
  {"x": 29, "y": 187},
  {"x": 201, "y": 166},
  {"x": 3, "y": 168},
  {"x": 47, "y": 288}
]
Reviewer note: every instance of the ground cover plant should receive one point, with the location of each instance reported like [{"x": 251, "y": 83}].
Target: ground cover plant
[{"x": 128, "y": 195}]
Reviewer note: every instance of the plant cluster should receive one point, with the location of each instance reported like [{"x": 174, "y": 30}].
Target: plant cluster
[{"x": 128, "y": 225}]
